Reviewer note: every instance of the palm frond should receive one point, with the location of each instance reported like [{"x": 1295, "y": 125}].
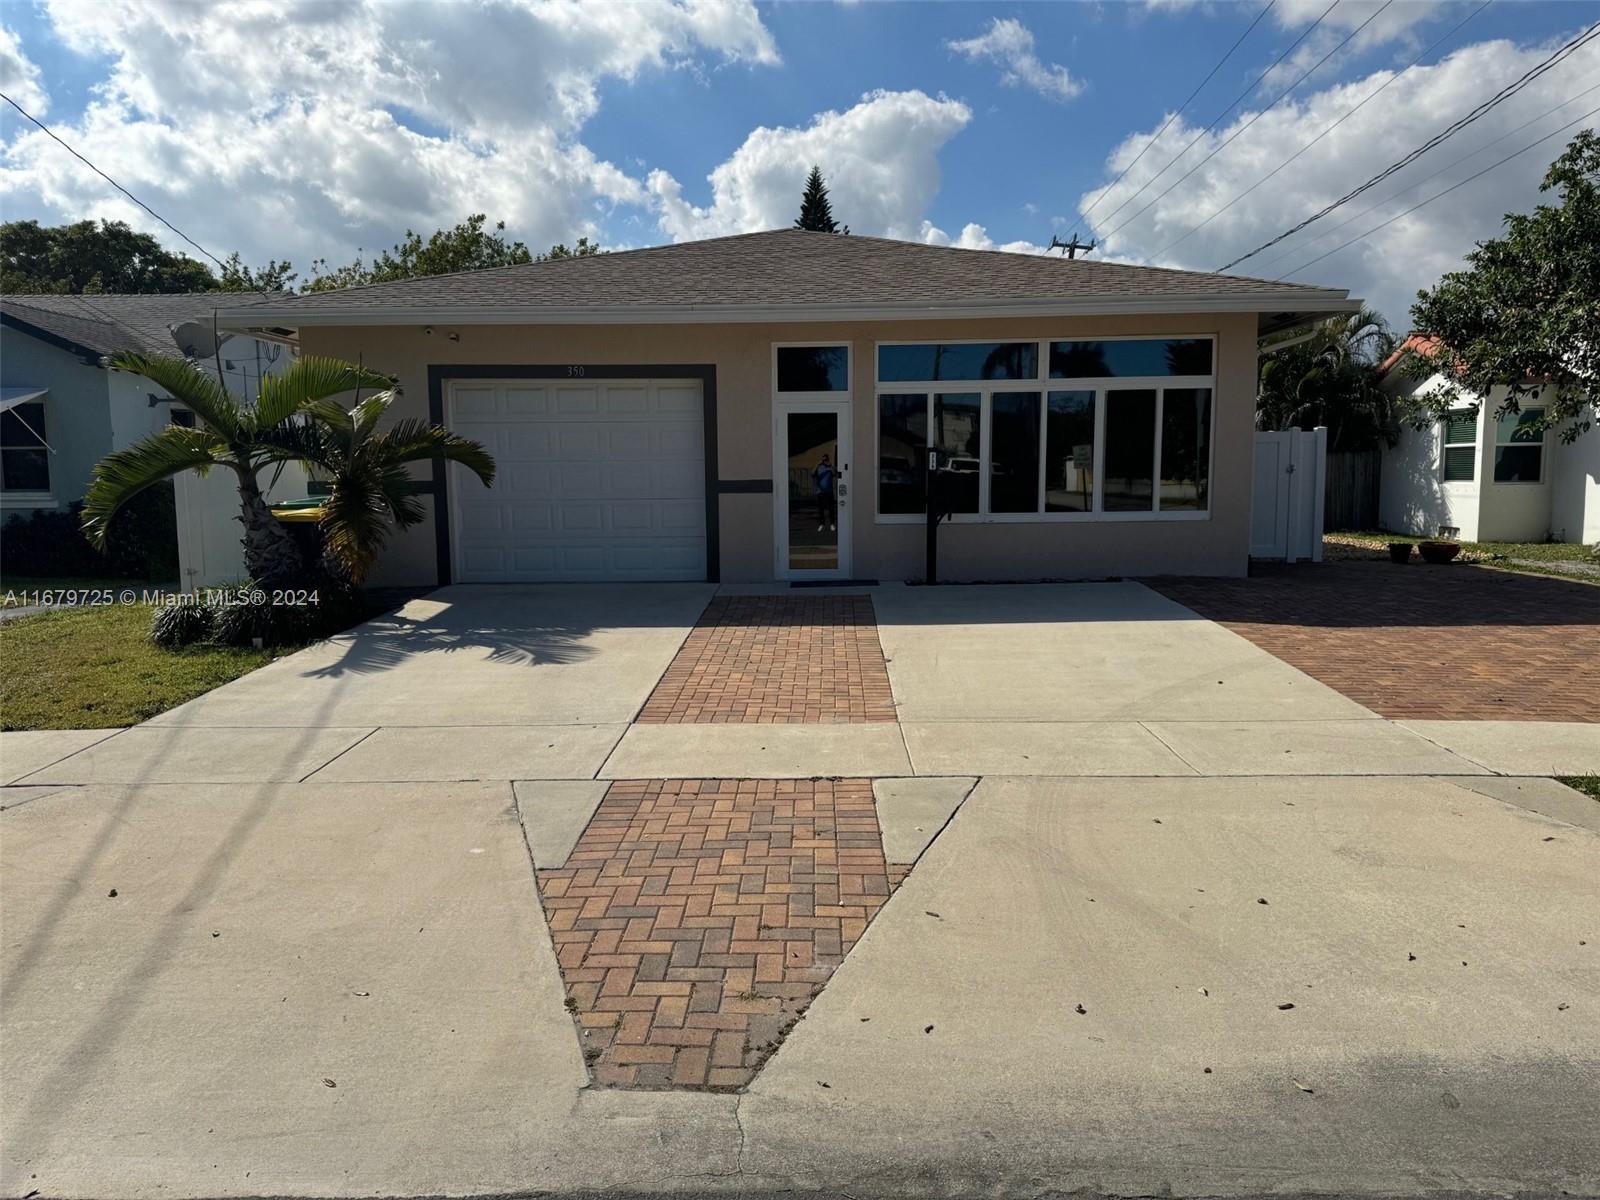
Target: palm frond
[
  {"x": 122, "y": 475},
  {"x": 309, "y": 379},
  {"x": 413, "y": 440},
  {"x": 190, "y": 386},
  {"x": 355, "y": 521}
]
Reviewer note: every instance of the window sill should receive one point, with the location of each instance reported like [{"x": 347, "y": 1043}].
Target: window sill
[
  {"x": 1103, "y": 518},
  {"x": 27, "y": 500}
]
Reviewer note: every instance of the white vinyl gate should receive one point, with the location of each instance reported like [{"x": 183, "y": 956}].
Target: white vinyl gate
[{"x": 1286, "y": 494}]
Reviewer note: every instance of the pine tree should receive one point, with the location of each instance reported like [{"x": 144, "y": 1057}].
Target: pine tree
[{"x": 816, "y": 213}]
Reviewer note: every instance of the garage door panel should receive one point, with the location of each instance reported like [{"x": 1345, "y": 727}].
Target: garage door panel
[
  {"x": 626, "y": 399},
  {"x": 475, "y": 401},
  {"x": 679, "y": 398},
  {"x": 584, "y": 398},
  {"x": 597, "y": 480},
  {"x": 525, "y": 444},
  {"x": 525, "y": 481}
]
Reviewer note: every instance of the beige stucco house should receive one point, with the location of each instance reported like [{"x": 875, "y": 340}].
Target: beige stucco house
[{"x": 664, "y": 413}]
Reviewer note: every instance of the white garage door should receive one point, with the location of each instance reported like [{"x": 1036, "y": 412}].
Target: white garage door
[{"x": 595, "y": 480}]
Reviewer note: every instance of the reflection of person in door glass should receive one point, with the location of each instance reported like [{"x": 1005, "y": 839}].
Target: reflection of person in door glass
[{"x": 827, "y": 509}]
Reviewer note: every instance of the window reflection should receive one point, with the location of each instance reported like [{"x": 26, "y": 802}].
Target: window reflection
[
  {"x": 958, "y": 360},
  {"x": 1069, "y": 452},
  {"x": 956, "y": 417},
  {"x": 813, "y": 369},
  {"x": 1185, "y": 448},
  {"x": 1014, "y": 452},
  {"x": 1130, "y": 450},
  {"x": 902, "y": 448},
  {"x": 1130, "y": 358}
]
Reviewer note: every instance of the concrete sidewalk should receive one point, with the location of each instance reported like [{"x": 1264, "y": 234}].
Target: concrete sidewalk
[{"x": 301, "y": 989}]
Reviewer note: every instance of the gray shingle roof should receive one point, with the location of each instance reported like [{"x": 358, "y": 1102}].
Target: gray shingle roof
[
  {"x": 791, "y": 268},
  {"x": 111, "y": 324}
]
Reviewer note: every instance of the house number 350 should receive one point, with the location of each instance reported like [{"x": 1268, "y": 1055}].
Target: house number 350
[{"x": 574, "y": 372}]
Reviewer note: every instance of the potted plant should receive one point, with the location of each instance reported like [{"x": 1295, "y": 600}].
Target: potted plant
[
  {"x": 1439, "y": 553},
  {"x": 1400, "y": 552}
]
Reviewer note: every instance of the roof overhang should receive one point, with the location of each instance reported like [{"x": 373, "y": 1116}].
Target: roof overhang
[{"x": 1286, "y": 309}]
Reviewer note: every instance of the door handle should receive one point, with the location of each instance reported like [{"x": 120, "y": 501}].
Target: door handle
[{"x": 844, "y": 490}]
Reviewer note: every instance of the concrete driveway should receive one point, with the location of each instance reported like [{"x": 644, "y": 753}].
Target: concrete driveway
[{"x": 287, "y": 939}]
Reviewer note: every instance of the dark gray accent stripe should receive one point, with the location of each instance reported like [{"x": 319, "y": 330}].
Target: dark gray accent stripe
[{"x": 732, "y": 487}]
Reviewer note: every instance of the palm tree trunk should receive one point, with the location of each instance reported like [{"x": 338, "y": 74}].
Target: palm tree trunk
[{"x": 270, "y": 554}]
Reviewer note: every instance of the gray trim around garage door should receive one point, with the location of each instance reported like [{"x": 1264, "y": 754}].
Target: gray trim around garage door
[{"x": 439, "y": 373}]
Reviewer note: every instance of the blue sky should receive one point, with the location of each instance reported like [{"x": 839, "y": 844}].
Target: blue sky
[{"x": 311, "y": 128}]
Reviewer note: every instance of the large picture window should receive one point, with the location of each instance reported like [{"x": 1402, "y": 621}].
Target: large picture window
[
  {"x": 1115, "y": 428},
  {"x": 1519, "y": 447}
]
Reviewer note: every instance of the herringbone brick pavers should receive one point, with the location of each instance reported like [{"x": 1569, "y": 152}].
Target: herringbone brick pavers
[
  {"x": 696, "y": 918},
  {"x": 1451, "y": 643},
  {"x": 777, "y": 660}
]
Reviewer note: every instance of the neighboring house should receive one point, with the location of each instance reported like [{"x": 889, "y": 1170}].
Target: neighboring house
[
  {"x": 1483, "y": 478},
  {"x": 659, "y": 414},
  {"x": 65, "y": 411}
]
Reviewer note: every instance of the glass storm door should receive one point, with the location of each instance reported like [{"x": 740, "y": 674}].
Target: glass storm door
[{"x": 813, "y": 453}]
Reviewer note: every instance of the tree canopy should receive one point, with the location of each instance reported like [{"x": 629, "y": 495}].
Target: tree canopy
[
  {"x": 1331, "y": 379},
  {"x": 816, "y": 211},
  {"x": 89, "y": 257},
  {"x": 1525, "y": 314},
  {"x": 466, "y": 247}
]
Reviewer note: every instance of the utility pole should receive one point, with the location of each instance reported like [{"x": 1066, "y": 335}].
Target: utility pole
[{"x": 1070, "y": 249}]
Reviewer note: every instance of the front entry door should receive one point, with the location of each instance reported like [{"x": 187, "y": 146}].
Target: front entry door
[{"x": 812, "y": 444}]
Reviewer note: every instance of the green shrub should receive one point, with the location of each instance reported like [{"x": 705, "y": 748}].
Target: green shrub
[
  {"x": 177, "y": 625},
  {"x": 244, "y": 614},
  {"x": 143, "y": 542}
]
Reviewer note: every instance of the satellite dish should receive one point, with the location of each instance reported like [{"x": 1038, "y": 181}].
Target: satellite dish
[{"x": 195, "y": 339}]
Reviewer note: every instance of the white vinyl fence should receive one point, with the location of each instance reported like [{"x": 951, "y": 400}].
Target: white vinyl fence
[{"x": 1286, "y": 494}]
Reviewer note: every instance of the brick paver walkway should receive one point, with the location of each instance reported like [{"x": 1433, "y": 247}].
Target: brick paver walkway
[
  {"x": 696, "y": 919},
  {"x": 1430, "y": 643},
  {"x": 777, "y": 660}
]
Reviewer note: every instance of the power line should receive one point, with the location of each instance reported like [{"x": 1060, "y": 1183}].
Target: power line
[
  {"x": 1146, "y": 148},
  {"x": 1445, "y": 192},
  {"x": 1372, "y": 95},
  {"x": 1254, "y": 84},
  {"x": 52, "y": 134},
  {"x": 1411, "y": 187},
  {"x": 1461, "y": 123},
  {"x": 1256, "y": 117}
]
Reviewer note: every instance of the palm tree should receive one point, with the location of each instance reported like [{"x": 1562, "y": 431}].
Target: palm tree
[
  {"x": 369, "y": 489},
  {"x": 1331, "y": 379},
  {"x": 241, "y": 437}
]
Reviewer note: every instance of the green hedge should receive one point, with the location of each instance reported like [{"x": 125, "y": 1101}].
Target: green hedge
[{"x": 142, "y": 542}]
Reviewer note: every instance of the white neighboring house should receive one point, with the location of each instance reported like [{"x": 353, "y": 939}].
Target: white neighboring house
[
  {"x": 1482, "y": 479},
  {"x": 64, "y": 410}
]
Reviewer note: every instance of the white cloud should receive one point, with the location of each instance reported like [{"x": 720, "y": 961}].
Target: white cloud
[
  {"x": 267, "y": 126},
  {"x": 1390, "y": 266},
  {"x": 19, "y": 76},
  {"x": 1009, "y": 44},
  {"x": 880, "y": 158},
  {"x": 973, "y": 237}
]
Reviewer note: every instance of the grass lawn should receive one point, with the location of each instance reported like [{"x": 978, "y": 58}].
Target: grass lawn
[
  {"x": 1589, "y": 785},
  {"x": 90, "y": 668},
  {"x": 1510, "y": 556}
]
